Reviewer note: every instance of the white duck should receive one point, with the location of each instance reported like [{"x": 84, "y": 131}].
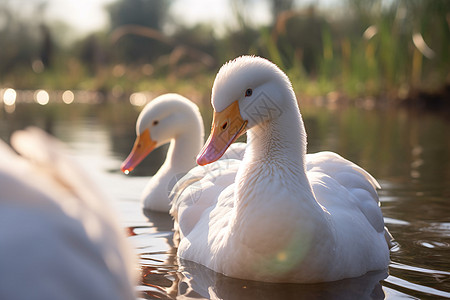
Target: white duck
[
  {"x": 279, "y": 215},
  {"x": 59, "y": 239},
  {"x": 168, "y": 118}
]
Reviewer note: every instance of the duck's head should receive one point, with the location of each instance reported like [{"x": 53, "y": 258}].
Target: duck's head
[
  {"x": 161, "y": 120},
  {"x": 247, "y": 92}
]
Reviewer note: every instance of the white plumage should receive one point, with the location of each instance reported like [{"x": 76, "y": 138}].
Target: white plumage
[
  {"x": 169, "y": 118},
  {"x": 59, "y": 239},
  {"x": 278, "y": 215}
]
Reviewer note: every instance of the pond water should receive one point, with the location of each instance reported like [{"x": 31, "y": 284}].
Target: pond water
[{"x": 408, "y": 152}]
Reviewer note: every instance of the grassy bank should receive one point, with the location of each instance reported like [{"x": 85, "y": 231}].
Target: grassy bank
[{"x": 370, "y": 51}]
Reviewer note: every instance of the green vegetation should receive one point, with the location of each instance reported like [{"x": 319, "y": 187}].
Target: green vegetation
[{"x": 358, "y": 49}]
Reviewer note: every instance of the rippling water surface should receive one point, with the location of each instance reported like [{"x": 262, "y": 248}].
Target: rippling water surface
[{"x": 409, "y": 153}]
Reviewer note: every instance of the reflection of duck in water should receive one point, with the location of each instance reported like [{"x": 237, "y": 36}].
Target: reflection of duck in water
[
  {"x": 211, "y": 285},
  {"x": 155, "y": 246},
  {"x": 58, "y": 236},
  {"x": 285, "y": 216},
  {"x": 168, "y": 118}
]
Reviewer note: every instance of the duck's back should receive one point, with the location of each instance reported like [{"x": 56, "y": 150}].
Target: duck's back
[{"x": 349, "y": 195}]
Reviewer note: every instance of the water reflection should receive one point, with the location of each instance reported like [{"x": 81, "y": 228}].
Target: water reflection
[
  {"x": 408, "y": 153},
  {"x": 213, "y": 285}
]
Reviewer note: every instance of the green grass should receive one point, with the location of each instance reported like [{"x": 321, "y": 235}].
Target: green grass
[{"x": 321, "y": 55}]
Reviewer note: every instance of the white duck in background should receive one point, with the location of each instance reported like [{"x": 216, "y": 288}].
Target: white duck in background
[
  {"x": 285, "y": 216},
  {"x": 59, "y": 238},
  {"x": 174, "y": 119}
]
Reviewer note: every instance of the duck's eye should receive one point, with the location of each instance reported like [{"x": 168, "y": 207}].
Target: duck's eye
[
  {"x": 155, "y": 122},
  {"x": 224, "y": 125},
  {"x": 248, "y": 92}
]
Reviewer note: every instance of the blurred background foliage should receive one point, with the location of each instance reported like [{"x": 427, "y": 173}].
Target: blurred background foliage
[{"x": 394, "y": 49}]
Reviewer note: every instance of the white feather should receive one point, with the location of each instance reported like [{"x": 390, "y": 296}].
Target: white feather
[
  {"x": 181, "y": 125},
  {"x": 59, "y": 238},
  {"x": 279, "y": 215}
]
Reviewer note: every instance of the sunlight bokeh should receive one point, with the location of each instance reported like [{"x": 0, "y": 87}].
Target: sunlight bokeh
[
  {"x": 68, "y": 97},
  {"x": 42, "y": 97},
  {"x": 9, "y": 96},
  {"x": 138, "y": 99}
]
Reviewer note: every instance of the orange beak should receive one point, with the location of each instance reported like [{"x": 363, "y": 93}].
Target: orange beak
[
  {"x": 227, "y": 126},
  {"x": 142, "y": 147}
]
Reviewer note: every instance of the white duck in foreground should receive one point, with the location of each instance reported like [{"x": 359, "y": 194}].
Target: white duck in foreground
[
  {"x": 169, "y": 118},
  {"x": 279, "y": 215},
  {"x": 59, "y": 239}
]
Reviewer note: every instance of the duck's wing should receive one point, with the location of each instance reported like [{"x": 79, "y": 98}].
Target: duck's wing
[
  {"x": 340, "y": 173},
  {"x": 199, "y": 190},
  {"x": 212, "y": 171},
  {"x": 57, "y": 223}
]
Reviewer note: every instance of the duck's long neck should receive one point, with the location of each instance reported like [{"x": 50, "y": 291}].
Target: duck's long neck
[
  {"x": 279, "y": 146},
  {"x": 273, "y": 172},
  {"x": 272, "y": 181},
  {"x": 183, "y": 150}
]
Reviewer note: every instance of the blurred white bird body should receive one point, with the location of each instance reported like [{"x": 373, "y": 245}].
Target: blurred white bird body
[
  {"x": 278, "y": 215},
  {"x": 58, "y": 236}
]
